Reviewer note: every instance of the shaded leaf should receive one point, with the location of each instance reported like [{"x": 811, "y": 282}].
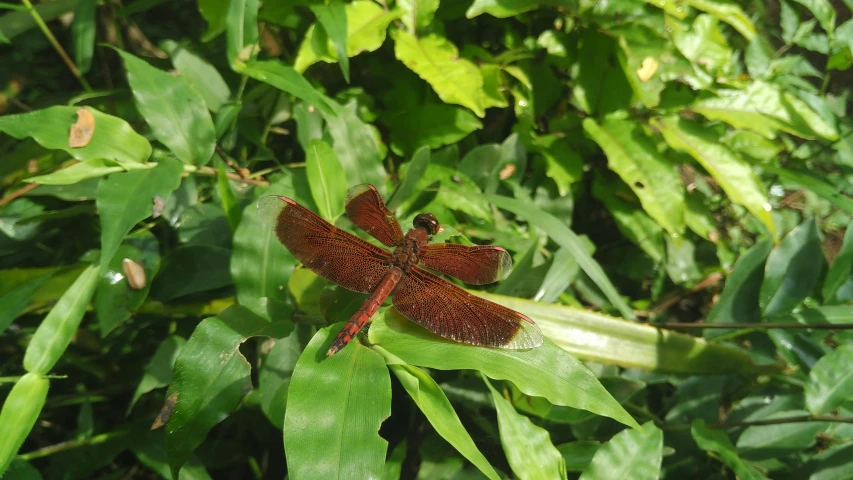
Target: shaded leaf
[
  {"x": 92, "y": 168},
  {"x": 200, "y": 74},
  {"x": 415, "y": 170},
  {"x": 634, "y": 453},
  {"x": 285, "y": 79},
  {"x": 355, "y": 143},
  {"x": 83, "y": 34},
  {"x": 432, "y": 126},
  {"x": 241, "y": 29},
  {"x": 793, "y": 269},
  {"x": 13, "y": 301},
  {"x": 578, "y": 454},
  {"x": 760, "y": 442},
  {"x": 830, "y": 382},
  {"x": 158, "y": 371},
  {"x": 739, "y": 300},
  {"x": 718, "y": 442},
  {"x": 839, "y": 280},
  {"x": 191, "y": 269},
  {"x": 333, "y": 17},
  {"x": 20, "y": 412}
]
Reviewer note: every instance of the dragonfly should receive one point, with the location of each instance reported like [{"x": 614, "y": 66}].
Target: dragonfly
[{"x": 417, "y": 293}]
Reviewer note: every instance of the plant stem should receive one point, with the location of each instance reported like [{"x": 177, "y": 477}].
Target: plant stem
[
  {"x": 61, "y": 447},
  {"x": 61, "y": 51}
]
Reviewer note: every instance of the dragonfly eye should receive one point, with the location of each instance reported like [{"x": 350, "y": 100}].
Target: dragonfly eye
[{"x": 428, "y": 222}]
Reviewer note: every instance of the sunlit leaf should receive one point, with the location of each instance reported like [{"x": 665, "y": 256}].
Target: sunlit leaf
[
  {"x": 326, "y": 178},
  {"x": 830, "y": 381},
  {"x": 241, "y": 29},
  {"x": 355, "y": 143},
  {"x": 417, "y": 14},
  {"x": 20, "y": 411},
  {"x": 335, "y": 407},
  {"x": 285, "y": 79},
  {"x": 760, "y": 442},
  {"x": 333, "y": 17},
  {"x": 200, "y": 74},
  {"x": 83, "y": 34},
  {"x": 728, "y": 12},
  {"x": 500, "y": 8},
  {"x": 634, "y": 453},
  {"x": 416, "y": 168}
]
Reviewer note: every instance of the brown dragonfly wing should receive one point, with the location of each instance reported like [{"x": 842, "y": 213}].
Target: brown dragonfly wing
[
  {"x": 368, "y": 212},
  {"x": 453, "y": 313},
  {"x": 326, "y": 250},
  {"x": 476, "y": 265}
]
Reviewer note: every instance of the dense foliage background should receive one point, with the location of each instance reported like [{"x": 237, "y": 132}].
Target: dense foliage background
[{"x": 684, "y": 165}]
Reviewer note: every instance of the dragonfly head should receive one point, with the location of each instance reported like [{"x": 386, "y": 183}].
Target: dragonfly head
[{"x": 428, "y": 222}]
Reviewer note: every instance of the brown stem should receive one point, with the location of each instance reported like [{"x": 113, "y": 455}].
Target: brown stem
[{"x": 17, "y": 193}]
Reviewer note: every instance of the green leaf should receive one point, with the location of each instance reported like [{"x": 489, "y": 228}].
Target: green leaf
[
  {"x": 211, "y": 376},
  {"x": 431, "y": 400},
  {"x": 433, "y": 126},
  {"x": 728, "y": 12},
  {"x": 227, "y": 197},
  {"x": 241, "y": 29},
  {"x": 560, "y": 274},
  {"x": 116, "y": 300},
  {"x": 566, "y": 238},
  {"x": 415, "y": 170},
  {"x": 275, "y": 373},
  {"x": 528, "y": 447},
  {"x": 822, "y": 11},
  {"x": 500, "y": 8},
  {"x": 356, "y": 146},
  {"x": 125, "y": 199},
  {"x": 326, "y": 178},
  {"x": 830, "y": 383},
  {"x": 83, "y": 34},
  {"x": 632, "y": 155},
  {"x": 20, "y": 21},
  {"x": 839, "y": 280},
  {"x": 92, "y": 168},
  {"x": 59, "y": 327},
  {"x": 718, "y": 442},
  {"x": 599, "y": 89},
  {"x": 285, "y": 79},
  {"x": 20, "y": 412},
  {"x": 559, "y": 377},
  {"x": 417, "y": 13},
  {"x": 832, "y": 463},
  {"x": 174, "y": 110},
  {"x": 333, "y": 17},
  {"x": 793, "y": 269},
  {"x": 630, "y": 219},
  {"x": 436, "y": 60},
  {"x": 631, "y": 453},
  {"x": 766, "y": 109},
  {"x": 734, "y": 176},
  {"x": 760, "y": 442},
  {"x": 191, "y": 269},
  {"x": 331, "y": 427},
  {"x": 151, "y": 452},
  {"x": 12, "y": 302},
  {"x": 739, "y": 300},
  {"x": 260, "y": 265},
  {"x": 564, "y": 165},
  {"x": 114, "y": 139},
  {"x": 158, "y": 371},
  {"x": 613, "y": 341},
  {"x": 816, "y": 183},
  {"x": 215, "y": 13},
  {"x": 578, "y": 454},
  {"x": 203, "y": 76}
]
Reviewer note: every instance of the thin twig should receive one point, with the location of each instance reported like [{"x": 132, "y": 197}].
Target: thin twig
[
  {"x": 772, "y": 421},
  {"x": 212, "y": 172},
  {"x": 61, "y": 51},
  {"x": 754, "y": 326}
]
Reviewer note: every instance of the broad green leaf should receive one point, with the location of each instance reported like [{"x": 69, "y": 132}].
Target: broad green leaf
[
  {"x": 335, "y": 407},
  {"x": 544, "y": 371},
  {"x": 92, "y": 168},
  {"x": 158, "y": 371},
  {"x": 728, "y": 12},
  {"x": 211, "y": 376},
  {"x": 560, "y": 274},
  {"x": 417, "y": 14},
  {"x": 605, "y": 339},
  {"x": 356, "y": 144},
  {"x": 200, "y": 74},
  {"x": 276, "y": 370},
  {"x": 528, "y": 447},
  {"x": 215, "y": 13},
  {"x": 17, "y": 22},
  {"x": 227, "y": 196},
  {"x": 191, "y": 269},
  {"x": 333, "y": 18},
  {"x": 702, "y": 43},
  {"x": 631, "y": 453},
  {"x": 433, "y": 126},
  {"x": 174, "y": 110},
  {"x": 125, "y": 199},
  {"x": 500, "y": 8},
  {"x": 599, "y": 89},
  {"x": 766, "y": 109},
  {"x": 830, "y": 381},
  {"x": 114, "y": 139},
  {"x": 436, "y": 60},
  {"x": 241, "y": 29},
  {"x": 12, "y": 302},
  {"x": 260, "y": 265},
  {"x": 760, "y": 442},
  {"x": 633, "y": 155},
  {"x": 823, "y": 12},
  {"x": 83, "y": 34},
  {"x": 116, "y": 300},
  {"x": 415, "y": 170},
  {"x": 630, "y": 219},
  {"x": 326, "y": 178},
  {"x": 285, "y": 79},
  {"x": 564, "y": 164},
  {"x": 431, "y": 400},
  {"x": 833, "y": 463},
  {"x": 718, "y": 442},
  {"x": 793, "y": 269},
  {"x": 739, "y": 300},
  {"x": 735, "y": 177},
  {"x": 59, "y": 327},
  {"x": 20, "y": 412},
  {"x": 817, "y": 183},
  {"x": 578, "y": 454},
  {"x": 566, "y": 238},
  {"x": 839, "y": 280}
]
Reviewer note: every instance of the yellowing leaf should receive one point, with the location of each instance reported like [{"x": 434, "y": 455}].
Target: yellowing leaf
[
  {"x": 83, "y": 129},
  {"x": 647, "y": 69}
]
